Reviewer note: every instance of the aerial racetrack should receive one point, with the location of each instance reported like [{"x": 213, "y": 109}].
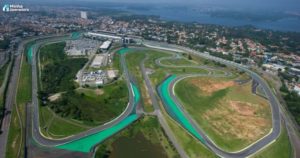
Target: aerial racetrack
[
  {"x": 88, "y": 138},
  {"x": 171, "y": 69},
  {"x": 186, "y": 115},
  {"x": 271, "y": 122}
]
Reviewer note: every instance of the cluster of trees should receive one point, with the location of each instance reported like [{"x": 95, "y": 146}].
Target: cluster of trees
[
  {"x": 286, "y": 41},
  {"x": 220, "y": 55},
  {"x": 286, "y": 76},
  {"x": 4, "y": 44},
  {"x": 90, "y": 108},
  {"x": 59, "y": 72},
  {"x": 292, "y": 100},
  {"x": 59, "y": 76},
  {"x": 267, "y": 38}
]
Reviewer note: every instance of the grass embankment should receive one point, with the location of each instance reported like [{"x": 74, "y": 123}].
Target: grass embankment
[
  {"x": 192, "y": 146},
  {"x": 57, "y": 127},
  {"x": 229, "y": 113},
  {"x": 16, "y": 138},
  {"x": 158, "y": 74},
  {"x": 72, "y": 109},
  {"x": 133, "y": 60},
  {"x": 142, "y": 139},
  {"x": 281, "y": 148}
]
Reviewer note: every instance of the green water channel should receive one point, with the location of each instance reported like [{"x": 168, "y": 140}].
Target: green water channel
[{"x": 174, "y": 110}]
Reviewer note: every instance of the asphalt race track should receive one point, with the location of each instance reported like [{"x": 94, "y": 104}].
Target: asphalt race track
[
  {"x": 95, "y": 135},
  {"x": 63, "y": 143},
  {"x": 250, "y": 150}
]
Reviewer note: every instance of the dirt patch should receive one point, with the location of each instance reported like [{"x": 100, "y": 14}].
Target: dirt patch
[
  {"x": 242, "y": 108},
  {"x": 237, "y": 120},
  {"x": 99, "y": 91},
  {"x": 54, "y": 97},
  {"x": 14, "y": 142},
  {"x": 210, "y": 86},
  {"x": 146, "y": 95}
]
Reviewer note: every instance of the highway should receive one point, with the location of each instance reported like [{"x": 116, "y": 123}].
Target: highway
[{"x": 274, "y": 104}]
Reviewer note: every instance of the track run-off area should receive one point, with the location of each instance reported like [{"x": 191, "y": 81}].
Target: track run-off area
[{"x": 86, "y": 141}]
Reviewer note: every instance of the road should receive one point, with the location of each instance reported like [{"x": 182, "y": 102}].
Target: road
[{"x": 274, "y": 104}]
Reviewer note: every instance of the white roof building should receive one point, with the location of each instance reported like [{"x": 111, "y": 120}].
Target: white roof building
[
  {"x": 98, "y": 61},
  {"x": 274, "y": 67},
  {"x": 111, "y": 73},
  {"x": 105, "y": 45},
  {"x": 83, "y": 15},
  {"x": 297, "y": 89},
  {"x": 104, "y": 35}
]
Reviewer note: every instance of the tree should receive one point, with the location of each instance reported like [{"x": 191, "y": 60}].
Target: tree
[{"x": 100, "y": 86}]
